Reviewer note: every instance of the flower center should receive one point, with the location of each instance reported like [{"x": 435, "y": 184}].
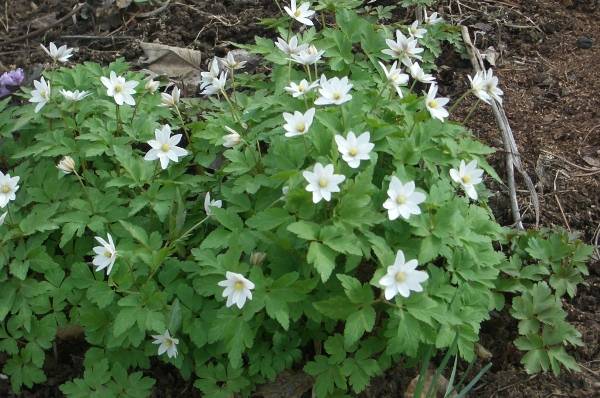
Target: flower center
[
  {"x": 239, "y": 285},
  {"x": 107, "y": 254},
  {"x": 168, "y": 342},
  {"x": 400, "y": 277},
  {"x": 301, "y": 127},
  {"x": 432, "y": 103},
  {"x": 353, "y": 151},
  {"x": 401, "y": 199},
  {"x": 323, "y": 182},
  {"x": 466, "y": 179},
  {"x": 297, "y": 13},
  {"x": 118, "y": 88},
  {"x": 337, "y": 96},
  {"x": 43, "y": 93},
  {"x": 165, "y": 147},
  {"x": 5, "y": 188}
]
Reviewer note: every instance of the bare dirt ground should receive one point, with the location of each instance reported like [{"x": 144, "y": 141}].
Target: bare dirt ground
[{"x": 549, "y": 55}]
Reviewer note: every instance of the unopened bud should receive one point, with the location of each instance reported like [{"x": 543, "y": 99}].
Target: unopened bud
[
  {"x": 66, "y": 164},
  {"x": 152, "y": 85},
  {"x": 232, "y": 139},
  {"x": 257, "y": 258}
]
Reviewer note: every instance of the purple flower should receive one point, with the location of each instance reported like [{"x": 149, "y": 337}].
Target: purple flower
[{"x": 10, "y": 80}]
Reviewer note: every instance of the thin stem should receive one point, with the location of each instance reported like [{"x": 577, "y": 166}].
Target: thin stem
[
  {"x": 278, "y": 6},
  {"x": 307, "y": 68},
  {"x": 189, "y": 231},
  {"x": 412, "y": 86},
  {"x": 316, "y": 72},
  {"x": 87, "y": 193},
  {"x": 290, "y": 70},
  {"x": 233, "y": 84},
  {"x": 12, "y": 222},
  {"x": 187, "y": 135},
  {"x": 233, "y": 109},
  {"x": 458, "y": 101},
  {"x": 119, "y": 122},
  {"x": 323, "y": 20},
  {"x": 135, "y": 109},
  {"x": 473, "y": 107},
  {"x": 413, "y": 127}
]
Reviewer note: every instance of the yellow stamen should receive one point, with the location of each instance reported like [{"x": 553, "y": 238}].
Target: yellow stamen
[
  {"x": 165, "y": 147},
  {"x": 432, "y": 103},
  {"x": 118, "y": 88},
  {"x": 466, "y": 179},
  {"x": 353, "y": 152},
  {"x": 239, "y": 285},
  {"x": 301, "y": 127},
  {"x": 401, "y": 199},
  {"x": 5, "y": 188},
  {"x": 107, "y": 254},
  {"x": 337, "y": 96},
  {"x": 400, "y": 277},
  {"x": 323, "y": 182},
  {"x": 297, "y": 13}
]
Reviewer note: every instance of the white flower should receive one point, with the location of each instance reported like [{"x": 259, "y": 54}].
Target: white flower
[
  {"x": 491, "y": 86},
  {"x": 3, "y": 217},
  {"x": 334, "y": 91},
  {"x": 166, "y": 343},
  {"x": 415, "y": 31},
  {"x": 164, "y": 147},
  {"x": 74, "y": 95},
  {"x": 395, "y": 76},
  {"x": 231, "y": 63},
  {"x": 403, "y": 199},
  {"x": 66, "y": 165},
  {"x": 291, "y": 47},
  {"x": 237, "y": 289},
  {"x": 300, "y": 14},
  {"x": 419, "y": 74},
  {"x": 172, "y": 99},
  {"x": 217, "y": 86},
  {"x": 298, "y": 123},
  {"x": 403, "y": 48},
  {"x": 106, "y": 254},
  {"x": 213, "y": 73},
  {"x": 300, "y": 89},
  {"x": 208, "y": 203},
  {"x": 60, "y": 54},
  {"x": 307, "y": 56},
  {"x": 8, "y": 188},
  {"x": 354, "y": 149},
  {"x": 478, "y": 87},
  {"x": 151, "y": 86},
  {"x": 433, "y": 18},
  {"x": 41, "y": 94},
  {"x": 232, "y": 139},
  {"x": 402, "y": 277},
  {"x": 468, "y": 175},
  {"x": 434, "y": 105},
  {"x": 322, "y": 182},
  {"x": 120, "y": 89}
]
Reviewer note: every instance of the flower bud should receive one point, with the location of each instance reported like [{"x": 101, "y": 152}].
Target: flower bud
[
  {"x": 151, "y": 85},
  {"x": 231, "y": 140},
  {"x": 66, "y": 164},
  {"x": 257, "y": 258}
]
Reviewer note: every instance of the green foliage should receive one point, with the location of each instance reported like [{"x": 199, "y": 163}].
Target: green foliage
[{"x": 317, "y": 300}]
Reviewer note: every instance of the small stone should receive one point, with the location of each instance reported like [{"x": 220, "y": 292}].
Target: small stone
[{"x": 585, "y": 42}]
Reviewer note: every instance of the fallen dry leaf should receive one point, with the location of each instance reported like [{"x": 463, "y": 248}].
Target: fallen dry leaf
[
  {"x": 182, "y": 64},
  {"x": 442, "y": 384}
]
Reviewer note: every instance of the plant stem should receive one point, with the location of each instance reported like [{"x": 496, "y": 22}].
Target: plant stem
[
  {"x": 233, "y": 108},
  {"x": 87, "y": 193},
  {"x": 12, "y": 222},
  {"x": 473, "y": 107},
  {"x": 458, "y": 101},
  {"x": 189, "y": 231},
  {"x": 412, "y": 86},
  {"x": 118, "y": 114},
  {"x": 278, "y": 6},
  {"x": 187, "y": 135},
  {"x": 307, "y": 68},
  {"x": 134, "y": 113}
]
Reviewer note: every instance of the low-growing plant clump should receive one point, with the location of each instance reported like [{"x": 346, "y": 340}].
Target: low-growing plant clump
[{"x": 322, "y": 214}]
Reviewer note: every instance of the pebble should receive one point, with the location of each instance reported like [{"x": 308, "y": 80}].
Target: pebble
[{"x": 585, "y": 42}]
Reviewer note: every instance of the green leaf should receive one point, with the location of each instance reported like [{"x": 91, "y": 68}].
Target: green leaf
[
  {"x": 323, "y": 259},
  {"x": 305, "y": 229},
  {"x": 124, "y": 320},
  {"x": 356, "y": 291},
  {"x": 358, "y": 323},
  {"x": 269, "y": 219},
  {"x": 228, "y": 219}
]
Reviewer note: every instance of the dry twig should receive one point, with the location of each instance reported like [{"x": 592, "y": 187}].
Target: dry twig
[{"x": 513, "y": 159}]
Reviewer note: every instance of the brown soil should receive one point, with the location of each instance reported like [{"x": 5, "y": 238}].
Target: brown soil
[{"x": 551, "y": 98}]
